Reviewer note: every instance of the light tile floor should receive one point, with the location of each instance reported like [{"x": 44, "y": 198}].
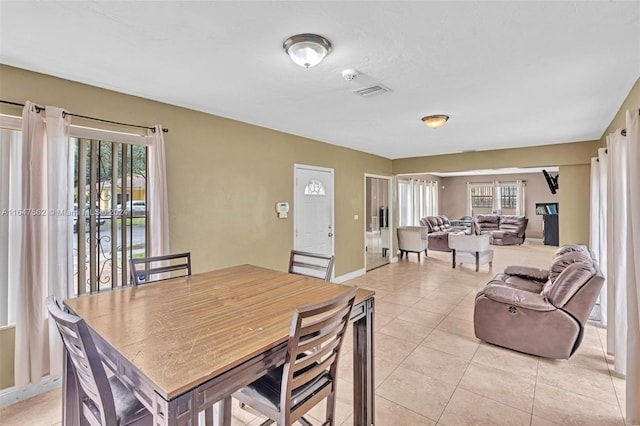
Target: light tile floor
[{"x": 430, "y": 369}]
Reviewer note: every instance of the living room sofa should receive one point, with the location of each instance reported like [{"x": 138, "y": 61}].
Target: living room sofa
[
  {"x": 438, "y": 230},
  {"x": 538, "y": 311},
  {"x": 504, "y": 230}
]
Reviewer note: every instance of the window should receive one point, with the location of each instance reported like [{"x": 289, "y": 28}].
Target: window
[
  {"x": 481, "y": 196},
  {"x": 110, "y": 182},
  {"x": 314, "y": 187},
  {"x": 508, "y": 196},
  {"x": 496, "y": 197}
]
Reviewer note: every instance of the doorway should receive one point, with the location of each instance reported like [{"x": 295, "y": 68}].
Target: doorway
[
  {"x": 377, "y": 221},
  {"x": 313, "y": 215}
]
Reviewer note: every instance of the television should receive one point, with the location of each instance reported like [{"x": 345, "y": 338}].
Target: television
[{"x": 551, "y": 181}]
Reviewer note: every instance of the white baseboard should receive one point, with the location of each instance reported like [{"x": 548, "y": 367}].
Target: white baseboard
[
  {"x": 12, "y": 395},
  {"x": 349, "y": 276}
]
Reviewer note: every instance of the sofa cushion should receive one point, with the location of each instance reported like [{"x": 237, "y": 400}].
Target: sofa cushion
[
  {"x": 488, "y": 222},
  {"x": 560, "y": 263},
  {"x": 513, "y": 224},
  {"x": 568, "y": 283},
  {"x": 527, "y": 272},
  {"x": 568, "y": 249},
  {"x": 520, "y": 283}
]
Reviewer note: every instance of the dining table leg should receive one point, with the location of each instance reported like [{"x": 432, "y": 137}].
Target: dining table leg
[
  {"x": 363, "y": 368},
  {"x": 220, "y": 413}
]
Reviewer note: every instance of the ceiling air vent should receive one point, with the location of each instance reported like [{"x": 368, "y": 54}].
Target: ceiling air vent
[{"x": 376, "y": 89}]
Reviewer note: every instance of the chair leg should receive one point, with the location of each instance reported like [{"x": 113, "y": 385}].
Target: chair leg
[
  {"x": 418, "y": 257},
  {"x": 304, "y": 422},
  {"x": 453, "y": 258},
  {"x": 477, "y": 261},
  {"x": 331, "y": 408}
]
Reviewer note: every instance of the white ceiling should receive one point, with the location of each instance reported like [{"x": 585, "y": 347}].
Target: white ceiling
[{"x": 508, "y": 73}]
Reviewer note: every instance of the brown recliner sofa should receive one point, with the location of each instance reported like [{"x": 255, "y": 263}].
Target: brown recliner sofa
[
  {"x": 505, "y": 230},
  {"x": 537, "y": 311},
  {"x": 438, "y": 230}
]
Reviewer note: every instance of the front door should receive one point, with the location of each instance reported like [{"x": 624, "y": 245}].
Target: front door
[{"x": 313, "y": 209}]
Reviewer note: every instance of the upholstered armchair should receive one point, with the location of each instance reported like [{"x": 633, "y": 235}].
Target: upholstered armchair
[
  {"x": 412, "y": 239},
  {"x": 470, "y": 249},
  {"x": 538, "y": 311}
]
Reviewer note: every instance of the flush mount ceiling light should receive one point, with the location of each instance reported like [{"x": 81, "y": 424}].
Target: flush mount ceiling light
[
  {"x": 435, "y": 121},
  {"x": 307, "y": 50}
]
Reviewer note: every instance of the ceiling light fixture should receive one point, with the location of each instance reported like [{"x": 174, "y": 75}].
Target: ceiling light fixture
[
  {"x": 307, "y": 50},
  {"x": 435, "y": 121}
]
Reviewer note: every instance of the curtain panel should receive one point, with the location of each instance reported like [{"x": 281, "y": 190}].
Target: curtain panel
[
  {"x": 158, "y": 200},
  {"x": 417, "y": 199},
  {"x": 45, "y": 251},
  {"x": 617, "y": 176},
  {"x": 617, "y": 274},
  {"x": 633, "y": 269},
  {"x": 598, "y": 225}
]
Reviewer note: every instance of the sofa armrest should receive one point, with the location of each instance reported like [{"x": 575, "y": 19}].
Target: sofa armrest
[
  {"x": 512, "y": 296},
  {"x": 528, "y": 272}
]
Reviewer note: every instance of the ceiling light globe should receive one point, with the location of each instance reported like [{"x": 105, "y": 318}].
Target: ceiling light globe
[
  {"x": 307, "y": 50},
  {"x": 435, "y": 121}
]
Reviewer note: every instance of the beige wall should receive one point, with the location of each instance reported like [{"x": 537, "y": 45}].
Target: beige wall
[
  {"x": 224, "y": 176},
  {"x": 7, "y": 339},
  {"x": 574, "y": 190},
  {"x": 454, "y": 196},
  {"x": 572, "y": 207}
]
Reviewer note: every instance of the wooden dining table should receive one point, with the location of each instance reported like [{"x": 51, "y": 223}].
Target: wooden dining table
[{"x": 184, "y": 344}]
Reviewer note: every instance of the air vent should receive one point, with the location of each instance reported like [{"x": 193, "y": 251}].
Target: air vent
[{"x": 367, "y": 92}]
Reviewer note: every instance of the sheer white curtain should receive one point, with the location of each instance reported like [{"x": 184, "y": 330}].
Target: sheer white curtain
[
  {"x": 520, "y": 198},
  {"x": 45, "y": 252},
  {"x": 598, "y": 224},
  {"x": 497, "y": 197},
  {"x": 617, "y": 275},
  {"x": 416, "y": 199},
  {"x": 158, "y": 200},
  {"x": 633, "y": 269},
  {"x": 405, "y": 202},
  {"x": 432, "y": 198},
  {"x": 10, "y": 223}
]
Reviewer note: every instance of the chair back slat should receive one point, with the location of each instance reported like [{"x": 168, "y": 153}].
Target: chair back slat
[
  {"x": 317, "y": 356},
  {"x": 307, "y": 376},
  {"x": 311, "y": 264},
  {"x": 86, "y": 361},
  {"x": 143, "y": 269},
  {"x": 315, "y": 340}
]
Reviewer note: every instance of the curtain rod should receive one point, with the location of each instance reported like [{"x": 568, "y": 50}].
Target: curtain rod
[{"x": 65, "y": 113}]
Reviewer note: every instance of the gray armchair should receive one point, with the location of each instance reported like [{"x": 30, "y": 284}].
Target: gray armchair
[
  {"x": 412, "y": 239},
  {"x": 537, "y": 311}
]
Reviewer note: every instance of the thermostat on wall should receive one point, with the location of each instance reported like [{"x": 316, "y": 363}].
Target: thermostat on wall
[{"x": 282, "y": 208}]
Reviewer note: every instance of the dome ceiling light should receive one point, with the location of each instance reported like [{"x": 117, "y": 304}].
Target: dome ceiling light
[
  {"x": 435, "y": 121},
  {"x": 307, "y": 50}
]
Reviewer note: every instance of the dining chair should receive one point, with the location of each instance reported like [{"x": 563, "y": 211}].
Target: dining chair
[
  {"x": 158, "y": 265},
  {"x": 309, "y": 372},
  {"x": 311, "y": 264},
  {"x": 105, "y": 400}
]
